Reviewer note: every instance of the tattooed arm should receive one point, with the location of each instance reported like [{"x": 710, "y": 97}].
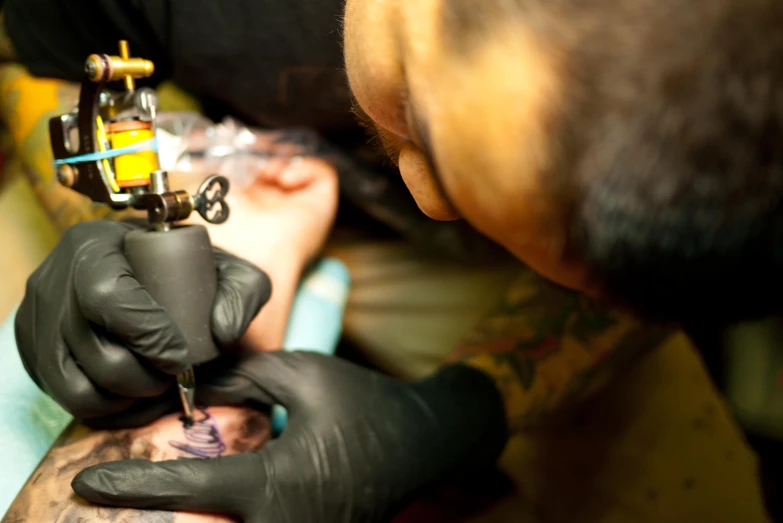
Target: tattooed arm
[
  {"x": 547, "y": 347},
  {"x": 48, "y": 496}
]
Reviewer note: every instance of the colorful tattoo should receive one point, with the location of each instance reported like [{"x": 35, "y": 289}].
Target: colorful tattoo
[{"x": 547, "y": 346}]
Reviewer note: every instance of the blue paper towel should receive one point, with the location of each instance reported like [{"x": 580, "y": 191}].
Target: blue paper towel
[
  {"x": 316, "y": 320},
  {"x": 32, "y": 421}
]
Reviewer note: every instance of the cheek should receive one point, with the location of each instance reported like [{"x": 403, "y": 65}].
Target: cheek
[{"x": 373, "y": 62}]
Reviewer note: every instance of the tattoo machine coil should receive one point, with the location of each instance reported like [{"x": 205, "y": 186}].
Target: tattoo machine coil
[{"x": 106, "y": 149}]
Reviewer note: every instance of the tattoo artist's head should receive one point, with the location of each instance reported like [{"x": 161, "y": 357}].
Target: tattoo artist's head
[{"x": 629, "y": 149}]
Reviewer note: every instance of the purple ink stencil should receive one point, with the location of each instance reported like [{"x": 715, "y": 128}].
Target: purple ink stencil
[{"x": 203, "y": 438}]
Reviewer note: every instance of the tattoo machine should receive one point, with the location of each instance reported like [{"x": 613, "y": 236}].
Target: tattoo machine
[{"x": 107, "y": 150}]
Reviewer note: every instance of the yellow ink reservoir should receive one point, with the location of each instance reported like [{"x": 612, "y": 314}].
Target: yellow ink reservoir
[{"x": 132, "y": 170}]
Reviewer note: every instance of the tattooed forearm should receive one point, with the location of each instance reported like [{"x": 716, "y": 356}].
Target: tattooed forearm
[
  {"x": 48, "y": 496},
  {"x": 547, "y": 346},
  {"x": 26, "y": 105}
]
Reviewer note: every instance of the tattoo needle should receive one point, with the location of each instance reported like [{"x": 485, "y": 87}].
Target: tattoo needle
[{"x": 186, "y": 383}]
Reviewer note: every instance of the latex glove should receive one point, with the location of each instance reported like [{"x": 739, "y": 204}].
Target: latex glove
[
  {"x": 93, "y": 339},
  {"x": 358, "y": 446}
]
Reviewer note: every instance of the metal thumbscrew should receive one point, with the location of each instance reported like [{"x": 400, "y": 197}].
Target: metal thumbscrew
[{"x": 210, "y": 199}]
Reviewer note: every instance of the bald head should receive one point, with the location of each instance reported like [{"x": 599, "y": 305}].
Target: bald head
[{"x": 630, "y": 149}]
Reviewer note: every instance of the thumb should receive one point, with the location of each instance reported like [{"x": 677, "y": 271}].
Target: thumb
[
  {"x": 256, "y": 378},
  {"x": 242, "y": 290},
  {"x": 220, "y": 485}
]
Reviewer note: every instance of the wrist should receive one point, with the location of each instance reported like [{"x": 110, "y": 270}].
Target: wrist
[
  {"x": 281, "y": 262},
  {"x": 270, "y": 252},
  {"x": 267, "y": 330}
]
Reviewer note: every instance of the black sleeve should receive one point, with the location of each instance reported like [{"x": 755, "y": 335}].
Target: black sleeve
[
  {"x": 272, "y": 62},
  {"x": 52, "y": 38}
]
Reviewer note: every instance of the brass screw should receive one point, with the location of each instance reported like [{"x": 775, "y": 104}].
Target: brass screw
[
  {"x": 66, "y": 175},
  {"x": 130, "y": 85}
]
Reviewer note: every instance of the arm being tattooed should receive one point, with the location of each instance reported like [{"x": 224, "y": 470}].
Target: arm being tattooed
[
  {"x": 26, "y": 104},
  {"x": 47, "y": 496},
  {"x": 547, "y": 347}
]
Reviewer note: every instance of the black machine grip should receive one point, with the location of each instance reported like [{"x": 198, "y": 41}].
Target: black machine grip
[{"x": 177, "y": 268}]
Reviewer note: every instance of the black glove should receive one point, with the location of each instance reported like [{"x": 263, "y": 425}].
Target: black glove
[
  {"x": 358, "y": 446},
  {"x": 92, "y": 338}
]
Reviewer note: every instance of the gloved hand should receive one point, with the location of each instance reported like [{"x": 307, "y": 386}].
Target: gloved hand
[
  {"x": 92, "y": 338},
  {"x": 358, "y": 446}
]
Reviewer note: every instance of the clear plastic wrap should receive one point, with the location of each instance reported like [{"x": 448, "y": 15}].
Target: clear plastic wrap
[{"x": 190, "y": 143}]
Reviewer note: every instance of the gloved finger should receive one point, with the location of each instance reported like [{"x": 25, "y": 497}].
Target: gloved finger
[
  {"x": 242, "y": 290},
  {"x": 225, "y": 485},
  {"x": 109, "y": 295},
  {"x": 69, "y": 386},
  {"x": 111, "y": 366},
  {"x": 221, "y": 383},
  {"x": 24, "y": 334},
  {"x": 141, "y": 413},
  {"x": 258, "y": 377}
]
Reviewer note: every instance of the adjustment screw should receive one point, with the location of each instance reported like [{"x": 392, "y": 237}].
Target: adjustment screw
[{"x": 66, "y": 175}]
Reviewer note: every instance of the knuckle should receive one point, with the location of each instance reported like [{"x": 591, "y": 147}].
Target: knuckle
[
  {"x": 82, "y": 400},
  {"x": 101, "y": 231},
  {"x": 76, "y": 235},
  {"x": 41, "y": 296},
  {"x": 116, "y": 363},
  {"x": 31, "y": 287},
  {"x": 34, "y": 280},
  {"x": 172, "y": 361},
  {"x": 165, "y": 350},
  {"x": 40, "y": 292},
  {"x": 40, "y": 279},
  {"x": 221, "y": 256},
  {"x": 248, "y": 272},
  {"x": 257, "y": 282},
  {"x": 95, "y": 295},
  {"x": 22, "y": 328}
]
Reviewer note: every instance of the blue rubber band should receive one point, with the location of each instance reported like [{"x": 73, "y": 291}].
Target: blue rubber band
[{"x": 146, "y": 145}]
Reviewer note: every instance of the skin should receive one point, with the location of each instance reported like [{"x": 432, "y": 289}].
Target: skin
[
  {"x": 47, "y": 496},
  {"x": 477, "y": 112}
]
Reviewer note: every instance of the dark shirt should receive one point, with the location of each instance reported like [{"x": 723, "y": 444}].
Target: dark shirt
[{"x": 273, "y": 63}]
